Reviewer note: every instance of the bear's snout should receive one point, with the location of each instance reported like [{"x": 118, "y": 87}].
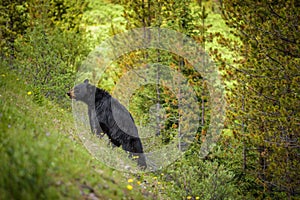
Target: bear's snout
[{"x": 71, "y": 94}]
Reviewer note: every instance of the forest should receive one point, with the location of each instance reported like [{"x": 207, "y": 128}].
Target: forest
[{"x": 212, "y": 85}]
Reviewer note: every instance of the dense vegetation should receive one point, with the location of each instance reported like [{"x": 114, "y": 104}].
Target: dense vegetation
[
  {"x": 265, "y": 101},
  {"x": 255, "y": 46}
]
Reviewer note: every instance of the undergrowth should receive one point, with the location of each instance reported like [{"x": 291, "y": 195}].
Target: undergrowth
[{"x": 42, "y": 158}]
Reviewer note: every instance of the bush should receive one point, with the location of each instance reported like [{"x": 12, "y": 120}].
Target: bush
[
  {"x": 49, "y": 60},
  {"x": 200, "y": 179}
]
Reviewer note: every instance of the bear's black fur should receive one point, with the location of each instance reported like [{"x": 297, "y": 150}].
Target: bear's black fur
[{"x": 107, "y": 115}]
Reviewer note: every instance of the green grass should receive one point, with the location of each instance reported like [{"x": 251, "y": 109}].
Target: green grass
[{"x": 42, "y": 158}]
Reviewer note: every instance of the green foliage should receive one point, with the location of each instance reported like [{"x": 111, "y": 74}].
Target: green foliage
[
  {"x": 13, "y": 22},
  {"x": 49, "y": 61},
  {"x": 265, "y": 97},
  {"x": 101, "y": 20},
  {"x": 66, "y": 14},
  {"x": 45, "y": 44},
  {"x": 202, "y": 179},
  {"x": 172, "y": 14}
]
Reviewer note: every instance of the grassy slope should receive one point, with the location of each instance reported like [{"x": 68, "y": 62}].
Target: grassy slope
[{"x": 40, "y": 156}]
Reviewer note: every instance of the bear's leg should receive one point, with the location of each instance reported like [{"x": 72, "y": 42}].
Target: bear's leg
[
  {"x": 135, "y": 149},
  {"x": 94, "y": 124},
  {"x": 141, "y": 160}
]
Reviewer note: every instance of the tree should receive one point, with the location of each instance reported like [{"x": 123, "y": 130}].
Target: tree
[
  {"x": 176, "y": 15},
  {"x": 13, "y": 22},
  {"x": 265, "y": 108}
]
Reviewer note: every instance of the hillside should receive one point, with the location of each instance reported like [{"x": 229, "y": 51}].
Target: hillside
[{"x": 40, "y": 155}]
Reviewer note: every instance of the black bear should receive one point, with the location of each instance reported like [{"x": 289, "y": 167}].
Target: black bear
[{"x": 107, "y": 115}]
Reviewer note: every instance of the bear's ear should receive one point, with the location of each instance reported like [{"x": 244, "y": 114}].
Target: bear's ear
[
  {"x": 86, "y": 81},
  {"x": 90, "y": 88}
]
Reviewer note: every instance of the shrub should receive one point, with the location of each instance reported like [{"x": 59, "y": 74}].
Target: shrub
[{"x": 49, "y": 59}]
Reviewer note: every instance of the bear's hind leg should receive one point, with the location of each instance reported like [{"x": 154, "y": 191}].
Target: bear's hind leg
[{"x": 135, "y": 149}]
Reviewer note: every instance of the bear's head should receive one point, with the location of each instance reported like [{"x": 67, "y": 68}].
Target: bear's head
[{"x": 82, "y": 92}]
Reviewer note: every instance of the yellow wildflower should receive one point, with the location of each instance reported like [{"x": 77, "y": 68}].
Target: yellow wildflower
[
  {"x": 29, "y": 93},
  {"x": 129, "y": 187},
  {"x": 130, "y": 180},
  {"x": 188, "y": 197}
]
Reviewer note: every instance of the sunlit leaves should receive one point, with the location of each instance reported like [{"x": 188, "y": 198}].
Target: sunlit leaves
[{"x": 266, "y": 92}]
